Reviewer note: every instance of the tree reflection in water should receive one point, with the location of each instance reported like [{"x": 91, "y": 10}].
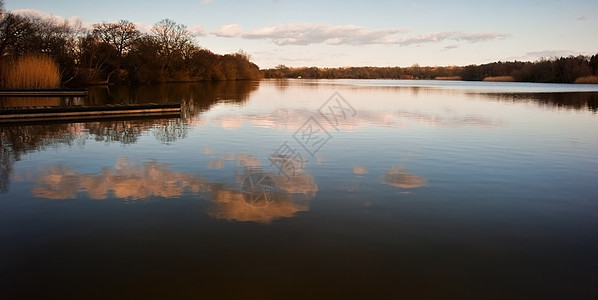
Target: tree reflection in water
[
  {"x": 7, "y": 159},
  {"x": 195, "y": 98}
]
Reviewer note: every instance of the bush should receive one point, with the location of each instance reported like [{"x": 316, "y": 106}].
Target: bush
[{"x": 35, "y": 71}]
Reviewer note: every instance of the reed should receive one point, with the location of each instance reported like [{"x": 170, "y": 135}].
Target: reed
[
  {"x": 587, "y": 79},
  {"x": 448, "y": 78},
  {"x": 29, "y": 72},
  {"x": 499, "y": 78}
]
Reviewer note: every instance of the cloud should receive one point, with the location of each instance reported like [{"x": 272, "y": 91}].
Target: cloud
[
  {"x": 581, "y": 18},
  {"x": 301, "y": 57},
  {"x": 310, "y": 33},
  {"x": 197, "y": 30},
  {"x": 143, "y": 27},
  {"x": 448, "y": 47},
  {"x": 451, "y": 35},
  {"x": 425, "y": 38},
  {"x": 307, "y": 33},
  {"x": 206, "y": 1},
  {"x": 76, "y": 22},
  {"x": 36, "y": 14},
  {"x": 230, "y": 30},
  {"x": 73, "y": 21},
  {"x": 548, "y": 53},
  {"x": 480, "y": 36}
]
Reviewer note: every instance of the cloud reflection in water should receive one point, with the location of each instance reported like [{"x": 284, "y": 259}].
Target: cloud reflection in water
[
  {"x": 399, "y": 177},
  {"x": 129, "y": 181},
  {"x": 124, "y": 181}
]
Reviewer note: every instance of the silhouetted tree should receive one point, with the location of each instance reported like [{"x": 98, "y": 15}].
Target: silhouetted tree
[
  {"x": 118, "y": 52},
  {"x": 564, "y": 69},
  {"x": 14, "y": 31},
  {"x": 97, "y": 60},
  {"x": 144, "y": 64},
  {"x": 114, "y": 40},
  {"x": 594, "y": 64},
  {"x": 121, "y": 35}
]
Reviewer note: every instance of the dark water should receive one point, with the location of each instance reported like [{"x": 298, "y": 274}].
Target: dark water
[{"x": 307, "y": 189}]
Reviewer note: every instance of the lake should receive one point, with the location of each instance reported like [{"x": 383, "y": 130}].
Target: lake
[{"x": 307, "y": 189}]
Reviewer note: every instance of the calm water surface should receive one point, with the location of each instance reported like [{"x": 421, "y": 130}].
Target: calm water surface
[{"x": 300, "y": 188}]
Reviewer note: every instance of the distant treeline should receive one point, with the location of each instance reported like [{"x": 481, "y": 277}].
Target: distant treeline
[
  {"x": 116, "y": 52},
  {"x": 570, "y": 69}
]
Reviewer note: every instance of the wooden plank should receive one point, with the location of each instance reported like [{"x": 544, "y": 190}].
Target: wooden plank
[
  {"x": 21, "y": 114},
  {"x": 42, "y": 93}
]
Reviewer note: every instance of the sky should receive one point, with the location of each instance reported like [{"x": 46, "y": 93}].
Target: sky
[{"x": 357, "y": 33}]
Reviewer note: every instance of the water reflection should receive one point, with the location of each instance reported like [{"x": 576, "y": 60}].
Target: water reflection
[
  {"x": 291, "y": 119},
  {"x": 234, "y": 202},
  {"x": 350, "y": 208},
  {"x": 6, "y": 102},
  {"x": 230, "y": 205},
  {"x": 16, "y": 140},
  {"x": 124, "y": 181},
  {"x": 194, "y": 97},
  {"x": 25, "y": 138},
  {"x": 358, "y": 170},
  {"x": 576, "y": 101},
  {"x": 569, "y": 96},
  {"x": 401, "y": 178},
  {"x": 264, "y": 197},
  {"x": 7, "y": 160}
]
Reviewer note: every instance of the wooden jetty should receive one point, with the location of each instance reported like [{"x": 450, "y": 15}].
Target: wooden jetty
[
  {"x": 86, "y": 113},
  {"x": 42, "y": 93}
]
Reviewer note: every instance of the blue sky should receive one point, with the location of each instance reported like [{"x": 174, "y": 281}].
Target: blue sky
[{"x": 359, "y": 33}]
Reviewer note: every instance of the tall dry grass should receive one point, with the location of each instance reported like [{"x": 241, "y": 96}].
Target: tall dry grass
[
  {"x": 36, "y": 71},
  {"x": 587, "y": 79},
  {"x": 499, "y": 78}
]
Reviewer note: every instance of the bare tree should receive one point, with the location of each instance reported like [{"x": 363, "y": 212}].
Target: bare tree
[
  {"x": 171, "y": 36},
  {"x": 121, "y": 35},
  {"x": 174, "y": 42},
  {"x": 97, "y": 60}
]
